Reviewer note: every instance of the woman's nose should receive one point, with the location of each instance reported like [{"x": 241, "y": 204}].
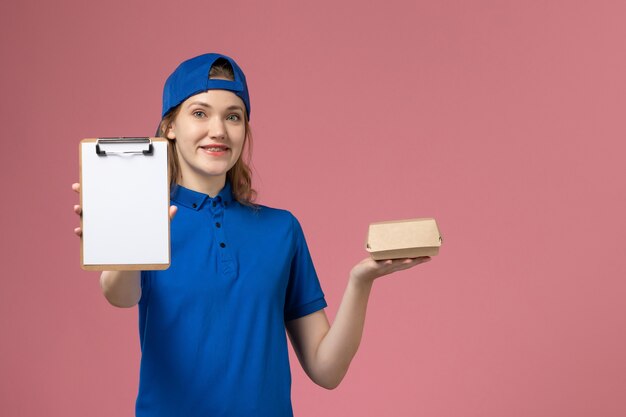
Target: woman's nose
[{"x": 216, "y": 128}]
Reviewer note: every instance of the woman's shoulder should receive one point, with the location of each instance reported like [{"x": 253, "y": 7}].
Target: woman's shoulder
[
  {"x": 264, "y": 213},
  {"x": 269, "y": 211},
  {"x": 272, "y": 220}
]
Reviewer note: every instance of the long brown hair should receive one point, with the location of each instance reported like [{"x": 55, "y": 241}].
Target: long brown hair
[{"x": 240, "y": 175}]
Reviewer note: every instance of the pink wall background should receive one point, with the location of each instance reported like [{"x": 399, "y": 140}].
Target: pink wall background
[{"x": 502, "y": 119}]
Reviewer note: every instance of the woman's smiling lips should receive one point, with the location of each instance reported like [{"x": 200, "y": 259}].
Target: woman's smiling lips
[{"x": 215, "y": 149}]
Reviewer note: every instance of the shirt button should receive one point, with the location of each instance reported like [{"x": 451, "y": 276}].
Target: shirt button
[
  {"x": 218, "y": 225},
  {"x": 194, "y": 205},
  {"x": 214, "y": 204},
  {"x": 222, "y": 245}
]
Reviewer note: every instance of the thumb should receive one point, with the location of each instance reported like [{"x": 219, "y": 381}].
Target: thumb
[{"x": 173, "y": 210}]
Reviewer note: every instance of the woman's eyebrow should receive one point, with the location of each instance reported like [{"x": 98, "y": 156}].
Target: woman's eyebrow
[
  {"x": 200, "y": 103},
  {"x": 203, "y": 104}
]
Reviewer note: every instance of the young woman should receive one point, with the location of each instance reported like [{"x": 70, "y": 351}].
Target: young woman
[{"x": 212, "y": 326}]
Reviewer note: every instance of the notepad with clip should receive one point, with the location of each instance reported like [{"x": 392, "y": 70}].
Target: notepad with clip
[{"x": 125, "y": 204}]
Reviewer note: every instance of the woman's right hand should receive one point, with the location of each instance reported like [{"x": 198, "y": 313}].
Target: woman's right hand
[
  {"x": 121, "y": 288},
  {"x": 79, "y": 210}
]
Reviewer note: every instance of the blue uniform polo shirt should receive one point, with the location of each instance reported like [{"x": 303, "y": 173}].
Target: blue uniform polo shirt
[{"x": 212, "y": 326}]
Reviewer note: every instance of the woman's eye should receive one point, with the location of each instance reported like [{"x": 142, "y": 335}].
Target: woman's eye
[
  {"x": 233, "y": 117},
  {"x": 198, "y": 113}
]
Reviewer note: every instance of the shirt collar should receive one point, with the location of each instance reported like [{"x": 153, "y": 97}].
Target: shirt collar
[{"x": 196, "y": 200}]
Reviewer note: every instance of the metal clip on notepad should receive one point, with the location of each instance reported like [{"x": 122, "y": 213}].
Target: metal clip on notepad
[{"x": 147, "y": 149}]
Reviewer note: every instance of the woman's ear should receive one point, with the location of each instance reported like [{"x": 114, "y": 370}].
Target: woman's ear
[{"x": 170, "y": 134}]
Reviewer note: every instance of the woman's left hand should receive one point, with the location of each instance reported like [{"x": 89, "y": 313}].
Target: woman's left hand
[{"x": 368, "y": 269}]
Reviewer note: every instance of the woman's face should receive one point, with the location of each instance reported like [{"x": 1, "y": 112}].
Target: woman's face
[{"x": 210, "y": 132}]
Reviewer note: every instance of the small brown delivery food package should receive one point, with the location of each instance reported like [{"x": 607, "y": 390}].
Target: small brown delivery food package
[{"x": 403, "y": 239}]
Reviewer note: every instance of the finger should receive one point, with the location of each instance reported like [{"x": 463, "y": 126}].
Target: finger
[
  {"x": 77, "y": 209},
  {"x": 411, "y": 262},
  {"x": 400, "y": 261},
  {"x": 419, "y": 260},
  {"x": 76, "y": 187},
  {"x": 173, "y": 210},
  {"x": 78, "y": 231}
]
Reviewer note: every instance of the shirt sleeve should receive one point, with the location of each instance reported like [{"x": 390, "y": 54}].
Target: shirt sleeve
[{"x": 304, "y": 292}]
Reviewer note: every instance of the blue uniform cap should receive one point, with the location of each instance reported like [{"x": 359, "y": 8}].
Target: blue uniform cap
[{"x": 192, "y": 77}]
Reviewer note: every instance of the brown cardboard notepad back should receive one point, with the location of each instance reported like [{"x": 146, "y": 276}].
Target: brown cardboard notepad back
[{"x": 403, "y": 239}]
